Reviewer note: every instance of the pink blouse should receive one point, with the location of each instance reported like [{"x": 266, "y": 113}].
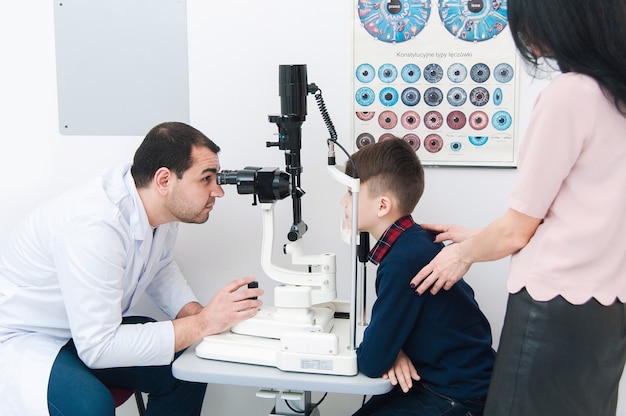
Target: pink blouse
[{"x": 572, "y": 174}]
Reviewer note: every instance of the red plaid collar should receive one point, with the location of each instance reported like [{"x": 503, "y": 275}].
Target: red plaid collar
[{"x": 390, "y": 235}]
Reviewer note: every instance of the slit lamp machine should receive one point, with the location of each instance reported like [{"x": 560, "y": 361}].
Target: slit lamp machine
[{"x": 307, "y": 330}]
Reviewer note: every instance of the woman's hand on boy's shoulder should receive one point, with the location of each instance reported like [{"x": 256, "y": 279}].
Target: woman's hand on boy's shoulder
[
  {"x": 447, "y": 268},
  {"x": 450, "y": 232}
]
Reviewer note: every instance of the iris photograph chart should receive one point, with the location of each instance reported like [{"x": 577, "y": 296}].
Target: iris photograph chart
[{"x": 440, "y": 74}]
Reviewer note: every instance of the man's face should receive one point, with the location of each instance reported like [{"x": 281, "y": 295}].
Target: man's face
[{"x": 193, "y": 196}]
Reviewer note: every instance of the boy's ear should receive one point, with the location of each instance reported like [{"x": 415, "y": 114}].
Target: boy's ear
[{"x": 385, "y": 205}]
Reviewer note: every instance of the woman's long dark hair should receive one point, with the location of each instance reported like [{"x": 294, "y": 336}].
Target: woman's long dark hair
[{"x": 583, "y": 36}]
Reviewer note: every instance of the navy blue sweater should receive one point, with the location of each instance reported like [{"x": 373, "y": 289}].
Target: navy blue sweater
[{"x": 446, "y": 336}]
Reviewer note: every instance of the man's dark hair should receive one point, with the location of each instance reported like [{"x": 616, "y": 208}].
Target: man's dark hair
[
  {"x": 167, "y": 145},
  {"x": 391, "y": 166}
]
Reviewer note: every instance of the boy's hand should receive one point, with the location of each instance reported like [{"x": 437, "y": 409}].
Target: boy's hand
[{"x": 403, "y": 372}]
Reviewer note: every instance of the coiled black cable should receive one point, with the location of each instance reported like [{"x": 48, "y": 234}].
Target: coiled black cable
[
  {"x": 329, "y": 123},
  {"x": 330, "y": 127}
]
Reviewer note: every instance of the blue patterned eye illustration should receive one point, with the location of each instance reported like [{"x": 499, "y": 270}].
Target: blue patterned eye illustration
[
  {"x": 433, "y": 73},
  {"x": 365, "y": 73},
  {"x": 456, "y": 146},
  {"x": 457, "y": 73},
  {"x": 479, "y": 96},
  {"x": 387, "y": 73},
  {"x": 457, "y": 96},
  {"x": 393, "y": 20},
  {"x": 501, "y": 120},
  {"x": 473, "y": 20},
  {"x": 479, "y": 73},
  {"x": 411, "y": 73},
  {"x": 410, "y": 96},
  {"x": 433, "y": 96},
  {"x": 503, "y": 73},
  {"x": 388, "y": 96},
  {"x": 365, "y": 96},
  {"x": 478, "y": 140},
  {"x": 497, "y": 96}
]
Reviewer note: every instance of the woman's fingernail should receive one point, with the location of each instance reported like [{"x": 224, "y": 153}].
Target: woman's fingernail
[{"x": 412, "y": 285}]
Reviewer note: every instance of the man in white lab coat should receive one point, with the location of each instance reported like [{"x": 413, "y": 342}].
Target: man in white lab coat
[{"x": 73, "y": 268}]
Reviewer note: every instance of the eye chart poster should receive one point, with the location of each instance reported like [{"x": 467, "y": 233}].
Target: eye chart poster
[{"x": 442, "y": 75}]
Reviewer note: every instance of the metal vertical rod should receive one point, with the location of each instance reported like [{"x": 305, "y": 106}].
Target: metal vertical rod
[
  {"x": 363, "y": 250},
  {"x": 355, "y": 273}
]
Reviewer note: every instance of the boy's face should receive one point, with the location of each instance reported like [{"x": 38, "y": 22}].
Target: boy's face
[{"x": 367, "y": 210}]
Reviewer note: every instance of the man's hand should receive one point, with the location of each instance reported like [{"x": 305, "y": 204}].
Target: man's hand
[
  {"x": 230, "y": 305},
  {"x": 403, "y": 372}
]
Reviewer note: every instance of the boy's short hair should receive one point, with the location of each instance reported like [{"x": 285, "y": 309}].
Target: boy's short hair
[{"x": 391, "y": 166}]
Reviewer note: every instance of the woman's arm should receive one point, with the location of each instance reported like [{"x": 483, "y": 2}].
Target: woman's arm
[{"x": 499, "y": 239}]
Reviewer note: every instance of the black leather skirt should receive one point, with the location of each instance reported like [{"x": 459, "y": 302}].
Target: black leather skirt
[{"x": 556, "y": 358}]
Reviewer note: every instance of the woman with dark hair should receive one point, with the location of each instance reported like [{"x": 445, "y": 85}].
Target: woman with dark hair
[{"x": 563, "y": 346}]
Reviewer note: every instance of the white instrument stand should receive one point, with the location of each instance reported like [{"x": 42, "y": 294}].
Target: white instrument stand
[
  {"x": 300, "y": 333},
  {"x": 275, "y": 384}
]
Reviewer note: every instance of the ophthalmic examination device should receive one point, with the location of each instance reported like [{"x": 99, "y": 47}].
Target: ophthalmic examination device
[{"x": 307, "y": 330}]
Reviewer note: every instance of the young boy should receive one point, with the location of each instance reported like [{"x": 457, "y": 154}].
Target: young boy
[{"x": 442, "y": 341}]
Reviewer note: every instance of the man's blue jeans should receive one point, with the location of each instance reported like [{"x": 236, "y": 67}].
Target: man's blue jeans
[
  {"x": 75, "y": 390},
  {"x": 419, "y": 401}
]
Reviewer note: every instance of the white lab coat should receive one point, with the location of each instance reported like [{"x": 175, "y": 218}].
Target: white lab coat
[{"x": 72, "y": 269}]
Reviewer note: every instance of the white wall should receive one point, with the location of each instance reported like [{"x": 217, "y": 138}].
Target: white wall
[{"x": 234, "y": 52}]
